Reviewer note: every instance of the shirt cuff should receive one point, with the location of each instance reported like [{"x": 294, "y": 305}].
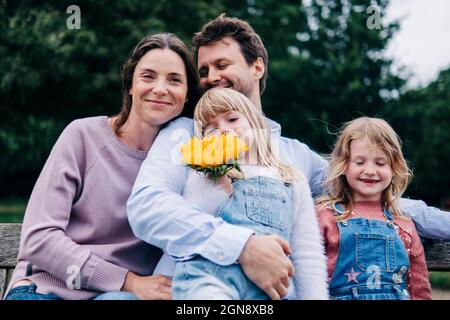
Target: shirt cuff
[
  {"x": 226, "y": 244},
  {"x": 103, "y": 276}
]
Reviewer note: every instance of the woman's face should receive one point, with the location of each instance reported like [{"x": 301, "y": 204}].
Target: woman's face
[{"x": 159, "y": 87}]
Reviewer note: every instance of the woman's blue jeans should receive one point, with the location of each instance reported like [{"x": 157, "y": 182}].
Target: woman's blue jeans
[{"x": 28, "y": 292}]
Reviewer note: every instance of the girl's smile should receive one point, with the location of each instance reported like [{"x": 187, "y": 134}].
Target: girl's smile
[{"x": 368, "y": 172}]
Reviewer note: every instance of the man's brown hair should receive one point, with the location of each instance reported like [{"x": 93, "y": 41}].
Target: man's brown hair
[{"x": 249, "y": 41}]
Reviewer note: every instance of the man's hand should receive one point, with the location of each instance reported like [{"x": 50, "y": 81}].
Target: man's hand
[
  {"x": 156, "y": 287},
  {"x": 264, "y": 261}
]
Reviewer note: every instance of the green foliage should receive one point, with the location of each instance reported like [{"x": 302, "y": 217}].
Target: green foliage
[
  {"x": 325, "y": 67},
  {"x": 50, "y": 75},
  {"x": 332, "y": 72},
  {"x": 440, "y": 280},
  {"x": 422, "y": 118}
]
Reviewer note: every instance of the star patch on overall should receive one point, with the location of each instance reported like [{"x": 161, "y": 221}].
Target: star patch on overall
[{"x": 352, "y": 276}]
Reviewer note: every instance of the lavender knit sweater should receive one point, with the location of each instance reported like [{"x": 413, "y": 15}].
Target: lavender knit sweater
[{"x": 76, "y": 217}]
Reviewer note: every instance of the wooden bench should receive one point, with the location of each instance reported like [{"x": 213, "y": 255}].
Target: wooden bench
[
  {"x": 437, "y": 253},
  {"x": 9, "y": 249}
]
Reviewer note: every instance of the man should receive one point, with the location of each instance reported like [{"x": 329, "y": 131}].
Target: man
[{"x": 230, "y": 54}]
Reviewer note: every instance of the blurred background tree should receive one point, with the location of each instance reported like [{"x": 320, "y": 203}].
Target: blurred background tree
[
  {"x": 422, "y": 119},
  {"x": 326, "y": 67}
]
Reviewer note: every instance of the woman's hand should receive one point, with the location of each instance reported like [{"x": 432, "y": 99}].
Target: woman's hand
[{"x": 156, "y": 287}]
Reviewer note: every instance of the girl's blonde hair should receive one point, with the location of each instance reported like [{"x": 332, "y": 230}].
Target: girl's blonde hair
[
  {"x": 380, "y": 134},
  {"x": 220, "y": 100}
]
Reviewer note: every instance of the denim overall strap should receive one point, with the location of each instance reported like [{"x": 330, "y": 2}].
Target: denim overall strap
[
  {"x": 388, "y": 215},
  {"x": 372, "y": 263},
  {"x": 261, "y": 203},
  {"x": 339, "y": 210}
]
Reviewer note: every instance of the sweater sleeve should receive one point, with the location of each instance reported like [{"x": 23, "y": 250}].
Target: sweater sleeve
[
  {"x": 330, "y": 236},
  {"x": 418, "y": 280},
  {"x": 310, "y": 278},
  {"x": 44, "y": 241},
  {"x": 323, "y": 220}
]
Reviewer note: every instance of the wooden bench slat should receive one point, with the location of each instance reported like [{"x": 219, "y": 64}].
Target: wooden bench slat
[
  {"x": 3, "y": 282},
  {"x": 9, "y": 244},
  {"x": 9, "y": 275},
  {"x": 437, "y": 254}
]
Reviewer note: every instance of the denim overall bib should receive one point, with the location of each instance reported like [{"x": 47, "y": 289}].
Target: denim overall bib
[
  {"x": 259, "y": 203},
  {"x": 372, "y": 263}
]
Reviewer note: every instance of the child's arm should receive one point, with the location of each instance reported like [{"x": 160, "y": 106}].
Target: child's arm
[
  {"x": 308, "y": 256},
  {"x": 418, "y": 280}
]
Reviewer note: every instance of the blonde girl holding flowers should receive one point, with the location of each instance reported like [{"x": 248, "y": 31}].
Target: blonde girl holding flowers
[
  {"x": 266, "y": 195},
  {"x": 374, "y": 252}
]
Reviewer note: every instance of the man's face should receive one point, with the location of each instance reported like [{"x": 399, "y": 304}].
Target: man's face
[{"x": 222, "y": 64}]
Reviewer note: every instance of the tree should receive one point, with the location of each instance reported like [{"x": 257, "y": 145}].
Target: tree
[
  {"x": 326, "y": 67},
  {"x": 422, "y": 119},
  {"x": 51, "y": 74}
]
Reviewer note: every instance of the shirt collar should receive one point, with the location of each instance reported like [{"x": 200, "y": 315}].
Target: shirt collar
[{"x": 275, "y": 127}]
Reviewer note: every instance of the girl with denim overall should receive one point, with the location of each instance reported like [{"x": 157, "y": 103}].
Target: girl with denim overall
[
  {"x": 270, "y": 199},
  {"x": 374, "y": 253}
]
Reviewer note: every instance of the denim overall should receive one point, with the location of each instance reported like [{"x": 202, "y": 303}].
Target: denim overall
[
  {"x": 372, "y": 263},
  {"x": 259, "y": 203}
]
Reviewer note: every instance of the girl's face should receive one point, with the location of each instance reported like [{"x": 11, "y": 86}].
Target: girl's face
[
  {"x": 231, "y": 122},
  {"x": 368, "y": 172}
]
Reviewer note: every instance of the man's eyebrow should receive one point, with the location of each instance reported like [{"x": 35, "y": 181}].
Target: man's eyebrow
[
  {"x": 215, "y": 61},
  {"x": 222, "y": 59}
]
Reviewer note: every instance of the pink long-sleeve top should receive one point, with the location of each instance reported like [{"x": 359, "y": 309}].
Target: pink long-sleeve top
[{"x": 418, "y": 281}]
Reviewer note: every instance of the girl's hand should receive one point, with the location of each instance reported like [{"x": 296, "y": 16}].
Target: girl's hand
[
  {"x": 155, "y": 287},
  {"x": 225, "y": 183}
]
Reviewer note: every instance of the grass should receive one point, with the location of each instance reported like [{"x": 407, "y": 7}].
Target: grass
[{"x": 12, "y": 210}]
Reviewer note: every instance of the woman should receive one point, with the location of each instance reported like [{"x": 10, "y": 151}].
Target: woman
[{"x": 76, "y": 241}]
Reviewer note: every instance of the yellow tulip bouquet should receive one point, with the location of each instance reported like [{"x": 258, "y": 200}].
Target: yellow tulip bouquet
[{"x": 213, "y": 155}]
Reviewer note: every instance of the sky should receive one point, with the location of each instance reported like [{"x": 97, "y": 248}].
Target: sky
[{"x": 423, "y": 42}]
